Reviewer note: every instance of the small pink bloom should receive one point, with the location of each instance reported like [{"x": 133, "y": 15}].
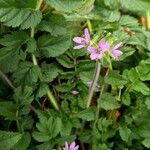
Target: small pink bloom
[
  {"x": 75, "y": 92},
  {"x": 116, "y": 53},
  {"x": 103, "y": 45},
  {"x": 97, "y": 86},
  {"x": 82, "y": 41},
  {"x": 72, "y": 146},
  {"x": 97, "y": 53}
]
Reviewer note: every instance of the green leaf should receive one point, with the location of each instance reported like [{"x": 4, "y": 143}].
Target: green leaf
[
  {"x": 144, "y": 70},
  {"x": 54, "y": 24},
  {"x": 27, "y": 74},
  {"x": 112, "y": 16},
  {"x": 86, "y": 7},
  {"x": 108, "y": 102},
  {"x": 9, "y": 139},
  {"x": 23, "y": 96},
  {"x": 41, "y": 90},
  {"x": 48, "y": 128},
  {"x": 87, "y": 114},
  {"x": 126, "y": 99},
  {"x": 128, "y": 21},
  {"x": 138, "y": 39},
  {"x": 50, "y": 72},
  {"x": 23, "y": 143},
  {"x": 65, "y": 61},
  {"x": 11, "y": 54},
  {"x": 135, "y": 5},
  {"x": 147, "y": 102},
  {"x": 66, "y": 126},
  {"x": 125, "y": 133},
  {"x": 53, "y": 46},
  {"x": 8, "y": 110},
  {"x": 31, "y": 45},
  {"x": 127, "y": 51},
  {"x": 65, "y": 5},
  {"x": 65, "y": 87},
  {"x": 17, "y": 13},
  {"x": 146, "y": 142},
  {"x": 140, "y": 87},
  {"x": 114, "y": 78}
]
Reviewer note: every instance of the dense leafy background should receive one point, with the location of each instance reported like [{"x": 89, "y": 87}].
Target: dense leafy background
[{"x": 28, "y": 119}]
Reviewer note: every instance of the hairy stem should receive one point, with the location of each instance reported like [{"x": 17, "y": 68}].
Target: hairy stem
[
  {"x": 35, "y": 62},
  {"x": 94, "y": 81},
  {"x": 100, "y": 96}
]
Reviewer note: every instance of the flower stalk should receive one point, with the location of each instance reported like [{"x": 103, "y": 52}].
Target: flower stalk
[
  {"x": 35, "y": 62},
  {"x": 94, "y": 81}
]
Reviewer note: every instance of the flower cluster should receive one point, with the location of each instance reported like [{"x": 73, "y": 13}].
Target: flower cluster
[
  {"x": 97, "y": 52},
  {"x": 72, "y": 146}
]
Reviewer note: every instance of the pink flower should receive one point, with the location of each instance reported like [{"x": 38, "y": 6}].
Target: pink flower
[
  {"x": 97, "y": 53},
  {"x": 82, "y": 41},
  {"x": 116, "y": 53},
  {"x": 72, "y": 146},
  {"x": 75, "y": 92}
]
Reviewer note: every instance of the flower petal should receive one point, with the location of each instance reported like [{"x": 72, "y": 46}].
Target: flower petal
[
  {"x": 76, "y": 148},
  {"x": 79, "y": 46},
  {"x": 117, "y": 46},
  {"x": 103, "y": 45},
  {"x": 95, "y": 56},
  {"x": 78, "y": 39},
  {"x": 99, "y": 56},
  {"x": 66, "y": 146},
  {"x": 87, "y": 35},
  {"x": 117, "y": 53},
  {"x": 75, "y": 92},
  {"x": 91, "y": 49},
  {"x": 72, "y": 146}
]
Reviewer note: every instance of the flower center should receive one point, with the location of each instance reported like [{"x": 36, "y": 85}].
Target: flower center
[
  {"x": 83, "y": 41},
  {"x": 98, "y": 50}
]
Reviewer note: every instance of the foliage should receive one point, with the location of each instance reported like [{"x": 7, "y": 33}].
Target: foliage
[{"x": 45, "y": 82}]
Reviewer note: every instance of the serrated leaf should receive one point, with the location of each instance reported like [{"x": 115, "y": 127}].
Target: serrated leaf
[
  {"x": 65, "y": 5},
  {"x": 86, "y": 7},
  {"x": 87, "y": 114},
  {"x": 48, "y": 129},
  {"x": 23, "y": 96},
  {"x": 108, "y": 102},
  {"x": 50, "y": 72},
  {"x": 53, "y": 46},
  {"x": 125, "y": 133},
  {"x": 11, "y": 54},
  {"x": 9, "y": 139},
  {"x": 42, "y": 90},
  {"x": 146, "y": 142},
  {"x": 54, "y": 24},
  {"x": 31, "y": 45},
  {"x": 28, "y": 73},
  {"x": 66, "y": 126},
  {"x": 23, "y": 143},
  {"x": 8, "y": 110},
  {"x": 128, "y": 21},
  {"x": 114, "y": 78},
  {"x": 127, "y": 51},
  {"x": 147, "y": 102},
  {"x": 140, "y": 87},
  {"x": 17, "y": 13},
  {"x": 65, "y": 61},
  {"x": 126, "y": 99},
  {"x": 65, "y": 87},
  {"x": 136, "y": 5}
]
